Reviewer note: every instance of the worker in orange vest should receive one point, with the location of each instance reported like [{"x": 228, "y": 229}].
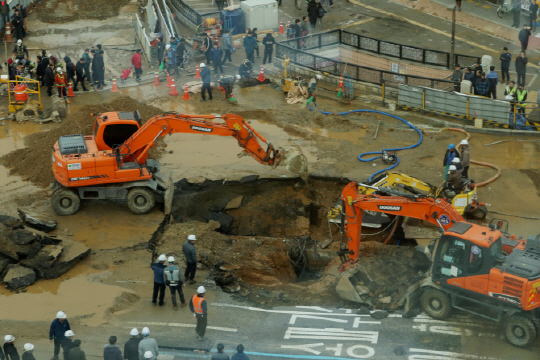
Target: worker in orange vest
[
  {"x": 198, "y": 307},
  {"x": 61, "y": 82}
]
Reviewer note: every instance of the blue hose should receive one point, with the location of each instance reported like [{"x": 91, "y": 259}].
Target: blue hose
[{"x": 380, "y": 152}]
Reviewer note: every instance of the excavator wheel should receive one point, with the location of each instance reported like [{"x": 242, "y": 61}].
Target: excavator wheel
[
  {"x": 520, "y": 331},
  {"x": 436, "y": 303},
  {"x": 65, "y": 202},
  {"x": 479, "y": 213},
  {"x": 141, "y": 200}
]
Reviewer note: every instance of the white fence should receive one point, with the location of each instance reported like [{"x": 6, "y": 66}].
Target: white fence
[
  {"x": 143, "y": 40},
  {"x": 151, "y": 15}
]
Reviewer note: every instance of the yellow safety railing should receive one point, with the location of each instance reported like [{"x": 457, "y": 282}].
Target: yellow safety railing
[{"x": 16, "y": 105}]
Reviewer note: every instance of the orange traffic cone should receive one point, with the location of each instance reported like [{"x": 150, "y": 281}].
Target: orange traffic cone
[
  {"x": 186, "y": 94},
  {"x": 169, "y": 82},
  {"x": 216, "y": 40},
  {"x": 281, "y": 30},
  {"x": 70, "y": 90},
  {"x": 7, "y": 35},
  {"x": 114, "y": 86},
  {"x": 261, "y": 77},
  {"x": 340, "y": 84},
  {"x": 173, "y": 89},
  {"x": 156, "y": 80},
  {"x": 197, "y": 72}
]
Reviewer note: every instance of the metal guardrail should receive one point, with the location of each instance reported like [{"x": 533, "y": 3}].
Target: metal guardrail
[{"x": 191, "y": 14}]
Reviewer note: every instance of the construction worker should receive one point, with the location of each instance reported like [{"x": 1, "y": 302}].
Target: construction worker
[
  {"x": 131, "y": 348},
  {"x": 171, "y": 59},
  {"x": 87, "y": 63},
  {"x": 220, "y": 354},
  {"x": 136, "y": 62},
  {"x": 454, "y": 178},
  {"x": 312, "y": 88},
  {"x": 206, "y": 79},
  {"x": 227, "y": 82},
  {"x": 79, "y": 71},
  {"x": 198, "y": 307},
  {"x": 159, "y": 283},
  {"x": 67, "y": 343},
  {"x": 10, "y": 350},
  {"x": 207, "y": 43},
  {"x": 465, "y": 157},
  {"x": 240, "y": 353},
  {"x": 59, "y": 326},
  {"x": 28, "y": 352},
  {"x": 76, "y": 352},
  {"x": 521, "y": 96},
  {"x": 111, "y": 350},
  {"x": 70, "y": 70},
  {"x": 174, "y": 280},
  {"x": 188, "y": 248},
  {"x": 450, "y": 154},
  {"x": 61, "y": 83},
  {"x": 511, "y": 89},
  {"x": 20, "y": 51},
  {"x": 147, "y": 344},
  {"x": 268, "y": 42},
  {"x": 457, "y": 163},
  {"x": 246, "y": 69}
]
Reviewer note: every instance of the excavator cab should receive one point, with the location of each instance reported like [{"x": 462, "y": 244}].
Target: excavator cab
[{"x": 114, "y": 128}]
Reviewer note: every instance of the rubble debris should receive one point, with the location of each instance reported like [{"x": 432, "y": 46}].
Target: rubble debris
[
  {"x": 36, "y": 221},
  {"x": 234, "y": 203},
  {"x": 19, "y": 277},
  {"x": 11, "y": 222},
  {"x": 381, "y": 314}
]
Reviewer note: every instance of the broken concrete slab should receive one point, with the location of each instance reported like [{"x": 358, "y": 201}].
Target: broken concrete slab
[
  {"x": 11, "y": 222},
  {"x": 36, "y": 221},
  {"x": 23, "y": 237},
  {"x": 19, "y": 277},
  {"x": 379, "y": 315},
  {"x": 234, "y": 203}
]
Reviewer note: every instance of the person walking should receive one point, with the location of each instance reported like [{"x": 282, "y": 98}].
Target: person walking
[
  {"x": 493, "y": 79},
  {"x": 131, "y": 348},
  {"x": 10, "y": 351},
  {"x": 516, "y": 11},
  {"x": 207, "y": 43},
  {"x": 521, "y": 96},
  {"x": 28, "y": 352},
  {"x": 136, "y": 62},
  {"x": 505, "y": 57},
  {"x": 148, "y": 344},
  {"x": 457, "y": 77},
  {"x": 533, "y": 14},
  {"x": 521, "y": 68},
  {"x": 87, "y": 63},
  {"x": 320, "y": 13},
  {"x": 206, "y": 79},
  {"x": 4, "y": 10},
  {"x": 240, "y": 353},
  {"x": 268, "y": 42},
  {"x": 188, "y": 248},
  {"x": 111, "y": 350},
  {"x": 313, "y": 13},
  {"x": 76, "y": 353},
  {"x": 199, "y": 308},
  {"x": 227, "y": 46},
  {"x": 67, "y": 343},
  {"x": 60, "y": 325},
  {"x": 216, "y": 55},
  {"x": 220, "y": 355},
  {"x": 174, "y": 280},
  {"x": 79, "y": 71},
  {"x": 159, "y": 283},
  {"x": 465, "y": 156},
  {"x": 304, "y": 28},
  {"x": 450, "y": 154},
  {"x": 249, "y": 46},
  {"x": 523, "y": 37},
  {"x": 482, "y": 85}
]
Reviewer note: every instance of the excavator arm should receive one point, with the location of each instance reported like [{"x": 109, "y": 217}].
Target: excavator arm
[
  {"x": 436, "y": 211},
  {"x": 137, "y": 146},
  {"x": 394, "y": 179}
]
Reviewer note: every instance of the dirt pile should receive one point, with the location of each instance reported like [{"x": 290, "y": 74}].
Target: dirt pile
[
  {"x": 33, "y": 163},
  {"x": 63, "y": 11}
]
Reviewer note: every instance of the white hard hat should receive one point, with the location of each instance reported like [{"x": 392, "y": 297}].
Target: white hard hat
[
  {"x": 201, "y": 290},
  {"x": 456, "y": 160},
  {"x": 167, "y": 46},
  {"x": 9, "y": 338},
  {"x": 191, "y": 238},
  {"x": 452, "y": 167},
  {"x": 162, "y": 257},
  {"x": 202, "y": 65},
  {"x": 145, "y": 331},
  {"x": 28, "y": 347},
  {"x": 238, "y": 77},
  {"x": 69, "y": 333},
  {"x": 464, "y": 142},
  {"x": 318, "y": 77},
  {"x": 170, "y": 259},
  {"x": 61, "y": 315},
  {"x": 134, "y": 332},
  {"x": 148, "y": 355},
  {"x": 19, "y": 41},
  {"x": 58, "y": 69}
]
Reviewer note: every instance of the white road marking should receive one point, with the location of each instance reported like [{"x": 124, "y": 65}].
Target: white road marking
[
  {"x": 307, "y": 347},
  {"x": 219, "y": 328},
  {"x": 532, "y": 80},
  {"x": 315, "y": 308},
  {"x": 443, "y": 355},
  {"x": 294, "y": 317},
  {"x": 291, "y": 312},
  {"x": 358, "y": 321},
  {"x": 331, "y": 334}
]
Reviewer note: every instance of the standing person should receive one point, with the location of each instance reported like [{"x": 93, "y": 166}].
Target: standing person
[
  {"x": 521, "y": 68},
  {"x": 516, "y": 11},
  {"x": 24, "y": 15},
  {"x": 523, "y": 37},
  {"x": 457, "y": 77},
  {"x": 136, "y": 62},
  {"x": 240, "y": 353},
  {"x": 511, "y": 89},
  {"x": 111, "y": 350},
  {"x": 297, "y": 32},
  {"x": 131, "y": 348},
  {"x": 18, "y": 24},
  {"x": 268, "y": 42},
  {"x": 320, "y": 13},
  {"x": 49, "y": 78},
  {"x": 482, "y": 85},
  {"x": 220, "y": 354},
  {"x": 67, "y": 343},
  {"x": 4, "y": 10},
  {"x": 249, "y": 46},
  {"x": 533, "y": 14},
  {"x": 20, "y": 51},
  {"x": 79, "y": 71},
  {"x": 506, "y": 57},
  {"x": 312, "y": 88},
  {"x": 10, "y": 351},
  {"x": 159, "y": 284},
  {"x": 313, "y": 13},
  {"x": 61, "y": 83},
  {"x": 99, "y": 74},
  {"x": 70, "y": 70},
  {"x": 199, "y": 308},
  {"x": 493, "y": 79},
  {"x": 188, "y": 248},
  {"x": 465, "y": 156},
  {"x": 450, "y": 154},
  {"x": 171, "y": 59},
  {"x": 227, "y": 46},
  {"x": 227, "y": 83},
  {"x": 174, "y": 280},
  {"x": 147, "y": 344},
  {"x": 44, "y": 57},
  {"x": 40, "y": 70},
  {"x": 216, "y": 56},
  {"x": 206, "y": 79},
  {"x": 60, "y": 325},
  {"x": 207, "y": 43},
  {"x": 469, "y": 76},
  {"x": 254, "y": 33},
  {"x": 76, "y": 353},
  {"x": 521, "y": 95},
  {"x": 180, "y": 51},
  {"x": 304, "y": 27},
  {"x": 28, "y": 352},
  {"x": 94, "y": 73},
  {"x": 87, "y": 62}
]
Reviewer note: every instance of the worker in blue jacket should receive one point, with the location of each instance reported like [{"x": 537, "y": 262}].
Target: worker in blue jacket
[
  {"x": 59, "y": 326},
  {"x": 249, "y": 46},
  {"x": 493, "y": 79},
  {"x": 506, "y": 57}
]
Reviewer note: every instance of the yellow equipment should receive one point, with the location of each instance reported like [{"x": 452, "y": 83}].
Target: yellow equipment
[{"x": 287, "y": 82}]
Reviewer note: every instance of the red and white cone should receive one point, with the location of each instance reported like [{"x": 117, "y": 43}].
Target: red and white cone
[
  {"x": 156, "y": 80},
  {"x": 186, "y": 94},
  {"x": 173, "y": 91},
  {"x": 261, "y": 77}
]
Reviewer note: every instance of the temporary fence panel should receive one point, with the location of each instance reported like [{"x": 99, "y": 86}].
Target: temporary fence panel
[
  {"x": 143, "y": 39},
  {"x": 151, "y": 16}
]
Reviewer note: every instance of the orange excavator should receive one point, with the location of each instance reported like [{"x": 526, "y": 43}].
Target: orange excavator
[
  {"x": 478, "y": 269},
  {"x": 113, "y": 163}
]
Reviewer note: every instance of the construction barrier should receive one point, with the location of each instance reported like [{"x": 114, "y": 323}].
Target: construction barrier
[
  {"x": 15, "y": 94},
  {"x": 143, "y": 39}
]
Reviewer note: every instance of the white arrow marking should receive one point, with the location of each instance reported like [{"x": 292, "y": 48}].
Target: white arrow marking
[{"x": 307, "y": 347}]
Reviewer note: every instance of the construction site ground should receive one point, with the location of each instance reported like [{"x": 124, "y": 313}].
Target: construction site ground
[{"x": 255, "y": 295}]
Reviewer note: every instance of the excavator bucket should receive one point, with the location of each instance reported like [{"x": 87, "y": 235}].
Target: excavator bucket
[{"x": 294, "y": 160}]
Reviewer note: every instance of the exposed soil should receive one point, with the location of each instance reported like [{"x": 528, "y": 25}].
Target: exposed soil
[
  {"x": 534, "y": 175},
  {"x": 63, "y": 11},
  {"x": 33, "y": 163}
]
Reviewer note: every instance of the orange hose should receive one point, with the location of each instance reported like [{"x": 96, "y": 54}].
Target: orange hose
[{"x": 490, "y": 180}]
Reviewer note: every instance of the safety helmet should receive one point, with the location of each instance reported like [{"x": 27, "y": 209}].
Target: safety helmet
[
  {"x": 456, "y": 160},
  {"x": 238, "y": 77},
  {"x": 201, "y": 290},
  {"x": 319, "y": 77},
  {"x": 134, "y": 332},
  {"x": 191, "y": 238},
  {"x": 9, "y": 338},
  {"x": 451, "y": 146},
  {"x": 28, "y": 347},
  {"x": 452, "y": 167},
  {"x": 247, "y": 62},
  {"x": 145, "y": 331},
  {"x": 162, "y": 257},
  {"x": 148, "y": 355},
  {"x": 170, "y": 259},
  {"x": 202, "y": 65},
  {"x": 464, "y": 142},
  {"x": 61, "y": 315},
  {"x": 19, "y": 42},
  {"x": 69, "y": 333},
  {"x": 167, "y": 46}
]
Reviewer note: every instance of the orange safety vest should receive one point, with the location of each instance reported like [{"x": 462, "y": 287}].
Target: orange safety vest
[{"x": 197, "y": 304}]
